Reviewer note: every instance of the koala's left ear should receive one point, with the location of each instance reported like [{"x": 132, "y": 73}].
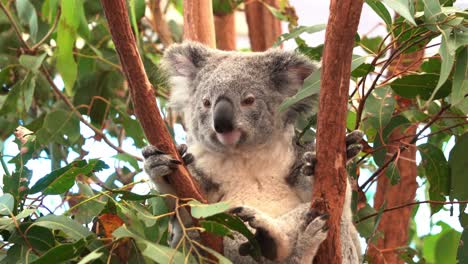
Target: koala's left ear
[
  {"x": 288, "y": 71},
  {"x": 182, "y": 62},
  {"x": 186, "y": 59}
]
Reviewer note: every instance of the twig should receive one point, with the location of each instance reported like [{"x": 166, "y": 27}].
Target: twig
[
  {"x": 51, "y": 30},
  {"x": 410, "y": 204},
  {"x": 15, "y": 26}
]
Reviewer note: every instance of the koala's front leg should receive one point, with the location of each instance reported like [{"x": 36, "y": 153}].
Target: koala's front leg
[
  {"x": 312, "y": 232},
  {"x": 274, "y": 243},
  {"x": 159, "y": 165}
]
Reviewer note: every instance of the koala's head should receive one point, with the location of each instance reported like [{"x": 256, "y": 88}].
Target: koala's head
[{"x": 230, "y": 100}]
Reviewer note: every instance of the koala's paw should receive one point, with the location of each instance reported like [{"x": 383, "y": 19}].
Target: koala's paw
[
  {"x": 314, "y": 228},
  {"x": 353, "y": 145},
  {"x": 309, "y": 160},
  {"x": 158, "y": 164},
  {"x": 274, "y": 245}
]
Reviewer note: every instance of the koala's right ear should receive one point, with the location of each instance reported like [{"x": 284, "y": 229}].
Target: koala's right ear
[
  {"x": 182, "y": 62},
  {"x": 185, "y": 60}
]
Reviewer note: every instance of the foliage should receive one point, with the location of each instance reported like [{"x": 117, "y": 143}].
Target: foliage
[{"x": 60, "y": 78}]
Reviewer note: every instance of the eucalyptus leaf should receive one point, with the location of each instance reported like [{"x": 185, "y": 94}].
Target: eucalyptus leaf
[
  {"x": 7, "y": 201},
  {"x": 458, "y": 163},
  {"x": 200, "y": 210}
]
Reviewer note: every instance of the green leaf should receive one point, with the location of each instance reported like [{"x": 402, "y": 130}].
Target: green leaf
[
  {"x": 62, "y": 252},
  {"x": 462, "y": 255},
  {"x": 432, "y": 11},
  {"x": 296, "y": 32},
  {"x": 128, "y": 158},
  {"x": 366, "y": 227},
  {"x": 459, "y": 94},
  {"x": 87, "y": 212},
  {"x": 59, "y": 126},
  {"x": 362, "y": 70},
  {"x": 200, "y": 210},
  {"x": 221, "y": 259},
  {"x": 91, "y": 256},
  {"x": 32, "y": 63},
  {"x": 379, "y": 108},
  {"x": 215, "y": 228},
  {"x": 275, "y": 12},
  {"x": 61, "y": 180},
  {"x": 371, "y": 45},
  {"x": 235, "y": 224},
  {"x": 422, "y": 85},
  {"x": 19, "y": 98},
  {"x": 69, "y": 227},
  {"x": 155, "y": 252},
  {"x": 137, "y": 10},
  {"x": 40, "y": 238},
  {"x": 380, "y": 10},
  {"x": 66, "y": 36},
  {"x": 451, "y": 41},
  {"x": 392, "y": 173},
  {"x": 223, "y": 7},
  {"x": 458, "y": 163},
  {"x": 397, "y": 122},
  {"x": 27, "y": 15},
  {"x": 446, "y": 247},
  {"x": 311, "y": 85},
  {"x": 7, "y": 202},
  {"x": 402, "y": 7},
  {"x": 437, "y": 172}
]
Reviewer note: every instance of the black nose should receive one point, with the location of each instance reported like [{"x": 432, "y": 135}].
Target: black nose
[{"x": 223, "y": 116}]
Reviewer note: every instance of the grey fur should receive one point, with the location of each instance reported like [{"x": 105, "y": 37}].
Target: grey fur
[{"x": 264, "y": 174}]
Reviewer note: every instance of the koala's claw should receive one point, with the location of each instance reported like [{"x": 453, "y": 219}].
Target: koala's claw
[
  {"x": 245, "y": 214},
  {"x": 151, "y": 151},
  {"x": 353, "y": 145},
  {"x": 309, "y": 160}
]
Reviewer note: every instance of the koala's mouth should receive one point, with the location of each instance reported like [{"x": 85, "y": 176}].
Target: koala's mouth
[{"x": 229, "y": 138}]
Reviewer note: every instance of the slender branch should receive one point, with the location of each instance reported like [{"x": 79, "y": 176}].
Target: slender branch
[
  {"x": 410, "y": 204},
  {"x": 15, "y": 26},
  {"x": 51, "y": 30}
]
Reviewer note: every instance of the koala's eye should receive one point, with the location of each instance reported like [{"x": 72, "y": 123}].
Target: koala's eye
[
  {"x": 249, "y": 100},
  {"x": 206, "y": 103}
]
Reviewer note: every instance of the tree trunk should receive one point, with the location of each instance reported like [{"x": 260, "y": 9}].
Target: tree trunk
[
  {"x": 198, "y": 22},
  {"x": 144, "y": 102},
  {"x": 159, "y": 24},
  {"x": 330, "y": 173},
  {"x": 395, "y": 225},
  {"x": 264, "y": 28},
  {"x": 225, "y": 26}
]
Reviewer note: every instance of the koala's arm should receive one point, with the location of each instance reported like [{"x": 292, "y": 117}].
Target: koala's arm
[{"x": 301, "y": 175}]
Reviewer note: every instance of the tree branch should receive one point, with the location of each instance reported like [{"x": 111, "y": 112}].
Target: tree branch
[
  {"x": 330, "y": 181},
  {"x": 410, "y": 204},
  {"x": 144, "y": 101}
]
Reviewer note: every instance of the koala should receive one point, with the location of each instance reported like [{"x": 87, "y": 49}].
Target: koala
[{"x": 242, "y": 150}]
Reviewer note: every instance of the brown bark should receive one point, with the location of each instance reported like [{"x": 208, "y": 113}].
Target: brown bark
[
  {"x": 159, "y": 23},
  {"x": 330, "y": 180},
  {"x": 198, "y": 22},
  {"x": 264, "y": 28},
  {"x": 225, "y": 26},
  {"x": 144, "y": 102},
  {"x": 385, "y": 250}
]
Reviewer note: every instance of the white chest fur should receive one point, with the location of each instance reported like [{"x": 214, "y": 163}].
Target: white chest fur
[{"x": 255, "y": 178}]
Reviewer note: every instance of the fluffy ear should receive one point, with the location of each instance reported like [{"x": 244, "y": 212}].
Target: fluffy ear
[
  {"x": 182, "y": 62},
  {"x": 289, "y": 70}
]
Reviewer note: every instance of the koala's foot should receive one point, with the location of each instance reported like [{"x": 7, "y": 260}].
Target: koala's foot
[
  {"x": 159, "y": 164},
  {"x": 309, "y": 160},
  {"x": 314, "y": 231},
  {"x": 274, "y": 244},
  {"x": 353, "y": 145}
]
